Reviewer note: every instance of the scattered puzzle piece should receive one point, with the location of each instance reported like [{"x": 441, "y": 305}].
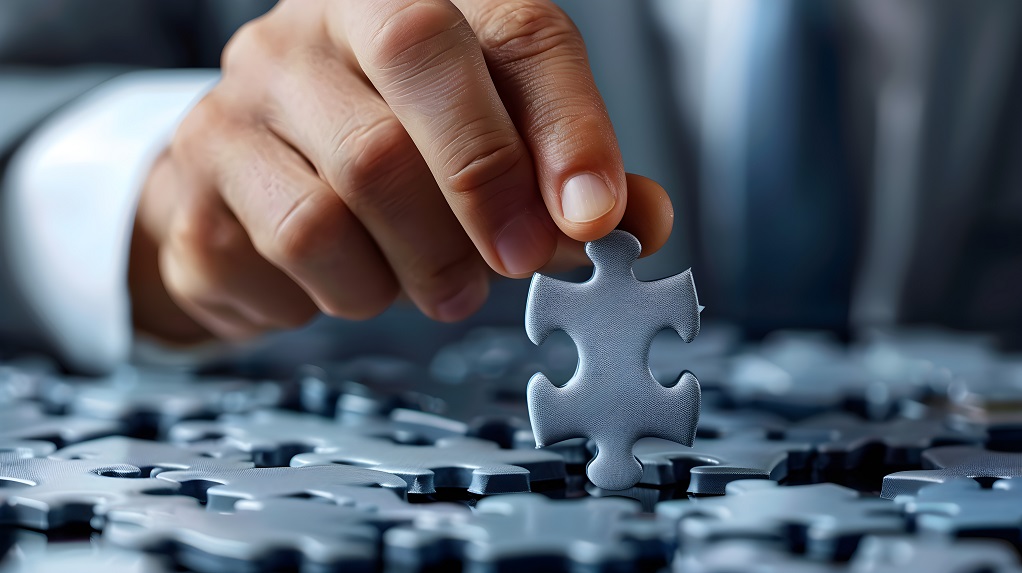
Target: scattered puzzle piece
[
  {"x": 280, "y": 534},
  {"x": 613, "y": 398},
  {"x": 152, "y": 458},
  {"x": 713, "y": 463},
  {"x": 827, "y": 518},
  {"x": 528, "y": 531},
  {"x": 962, "y": 507},
  {"x": 340, "y": 485},
  {"x": 950, "y": 462},
  {"x": 464, "y": 463}
]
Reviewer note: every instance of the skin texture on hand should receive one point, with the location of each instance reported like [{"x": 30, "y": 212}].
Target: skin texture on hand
[{"x": 358, "y": 150}]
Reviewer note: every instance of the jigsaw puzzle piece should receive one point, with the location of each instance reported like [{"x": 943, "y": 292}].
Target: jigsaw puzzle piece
[
  {"x": 478, "y": 466},
  {"x": 514, "y": 532},
  {"x": 843, "y": 441},
  {"x": 25, "y": 449},
  {"x": 45, "y": 493},
  {"x": 149, "y": 402},
  {"x": 951, "y": 462},
  {"x": 745, "y": 556},
  {"x": 828, "y": 519},
  {"x": 279, "y": 534},
  {"x": 365, "y": 386},
  {"x": 713, "y": 463},
  {"x": 341, "y": 485},
  {"x": 27, "y": 421},
  {"x": 963, "y": 508},
  {"x": 613, "y": 398},
  {"x": 86, "y": 558},
  {"x": 152, "y": 458}
]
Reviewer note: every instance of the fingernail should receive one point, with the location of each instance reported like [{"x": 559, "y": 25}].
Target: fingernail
[
  {"x": 585, "y": 198},
  {"x": 524, "y": 244},
  {"x": 465, "y": 302}
]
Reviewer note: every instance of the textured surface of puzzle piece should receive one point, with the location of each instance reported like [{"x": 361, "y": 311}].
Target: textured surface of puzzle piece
[
  {"x": 44, "y": 493},
  {"x": 280, "y": 534},
  {"x": 951, "y": 462},
  {"x": 478, "y": 466},
  {"x": 844, "y": 440},
  {"x": 337, "y": 484},
  {"x": 528, "y": 531},
  {"x": 155, "y": 457},
  {"x": 613, "y": 398},
  {"x": 829, "y": 519},
  {"x": 713, "y": 463},
  {"x": 963, "y": 507}
]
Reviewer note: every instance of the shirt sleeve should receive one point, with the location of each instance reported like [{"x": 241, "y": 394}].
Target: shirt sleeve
[{"x": 67, "y": 209}]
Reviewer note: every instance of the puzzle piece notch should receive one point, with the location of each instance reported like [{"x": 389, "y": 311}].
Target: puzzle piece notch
[
  {"x": 950, "y": 462},
  {"x": 827, "y": 518},
  {"x": 713, "y": 463},
  {"x": 613, "y": 398},
  {"x": 45, "y": 493},
  {"x": 513, "y": 532}
]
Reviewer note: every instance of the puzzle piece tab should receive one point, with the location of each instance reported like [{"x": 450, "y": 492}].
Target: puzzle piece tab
[
  {"x": 952, "y": 462},
  {"x": 613, "y": 398}
]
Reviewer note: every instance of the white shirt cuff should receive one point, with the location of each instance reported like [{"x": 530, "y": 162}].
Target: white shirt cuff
[{"x": 69, "y": 205}]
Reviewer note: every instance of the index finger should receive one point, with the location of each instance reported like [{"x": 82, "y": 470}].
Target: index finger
[{"x": 426, "y": 63}]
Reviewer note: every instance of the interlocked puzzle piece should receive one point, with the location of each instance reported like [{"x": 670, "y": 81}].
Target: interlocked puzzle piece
[
  {"x": 844, "y": 440},
  {"x": 713, "y": 463},
  {"x": 152, "y": 458},
  {"x": 340, "y": 485},
  {"x": 828, "y": 519},
  {"x": 478, "y": 466},
  {"x": 962, "y": 507},
  {"x": 271, "y": 535},
  {"x": 951, "y": 462},
  {"x": 367, "y": 386},
  {"x": 44, "y": 493},
  {"x": 529, "y": 531},
  {"x": 613, "y": 398},
  {"x": 150, "y": 402}
]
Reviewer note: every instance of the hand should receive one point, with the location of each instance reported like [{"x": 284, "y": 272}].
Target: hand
[{"x": 357, "y": 149}]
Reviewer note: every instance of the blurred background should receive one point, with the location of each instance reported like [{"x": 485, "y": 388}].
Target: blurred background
[{"x": 834, "y": 165}]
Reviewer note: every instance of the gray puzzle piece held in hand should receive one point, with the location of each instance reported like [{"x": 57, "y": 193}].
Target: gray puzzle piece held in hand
[
  {"x": 613, "y": 398},
  {"x": 951, "y": 462},
  {"x": 713, "y": 463},
  {"x": 44, "y": 493},
  {"x": 527, "y": 531},
  {"x": 338, "y": 484},
  {"x": 829, "y": 518}
]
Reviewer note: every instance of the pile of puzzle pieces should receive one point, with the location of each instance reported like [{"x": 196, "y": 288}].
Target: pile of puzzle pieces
[{"x": 899, "y": 452}]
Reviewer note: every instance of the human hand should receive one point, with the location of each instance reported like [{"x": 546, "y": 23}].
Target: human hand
[{"x": 357, "y": 149}]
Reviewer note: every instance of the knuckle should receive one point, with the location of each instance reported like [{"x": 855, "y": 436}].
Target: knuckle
[
  {"x": 368, "y": 155},
  {"x": 301, "y": 234},
  {"x": 246, "y": 43},
  {"x": 368, "y": 305},
  {"x": 409, "y": 38},
  {"x": 522, "y": 29},
  {"x": 493, "y": 157}
]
